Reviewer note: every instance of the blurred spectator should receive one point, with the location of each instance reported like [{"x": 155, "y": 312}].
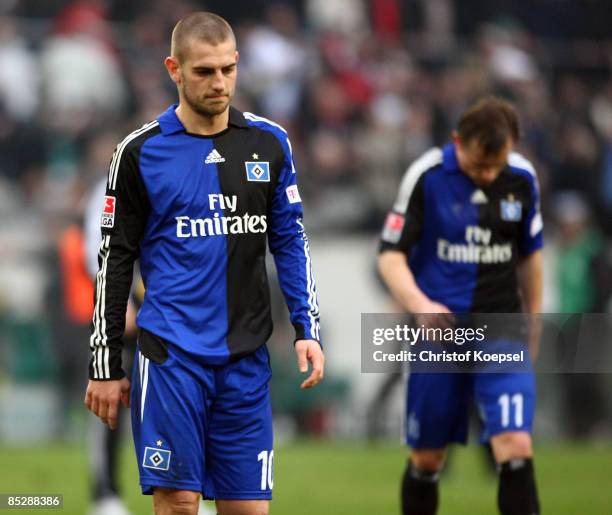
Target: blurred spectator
[
  {"x": 77, "y": 59},
  {"x": 584, "y": 270},
  {"x": 104, "y": 443},
  {"x": 70, "y": 310},
  {"x": 346, "y": 16},
  {"x": 273, "y": 64},
  {"x": 601, "y": 116},
  {"x": 578, "y": 167},
  {"x": 507, "y": 61},
  {"x": 19, "y": 73},
  {"x": 387, "y": 20},
  {"x": 584, "y": 280},
  {"x": 22, "y": 154}
]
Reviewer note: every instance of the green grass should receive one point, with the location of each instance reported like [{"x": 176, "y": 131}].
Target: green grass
[{"x": 339, "y": 478}]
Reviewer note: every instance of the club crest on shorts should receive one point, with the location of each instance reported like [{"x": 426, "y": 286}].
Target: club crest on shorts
[
  {"x": 257, "y": 171},
  {"x": 414, "y": 428},
  {"x": 108, "y": 212},
  {"x": 510, "y": 210},
  {"x": 158, "y": 459}
]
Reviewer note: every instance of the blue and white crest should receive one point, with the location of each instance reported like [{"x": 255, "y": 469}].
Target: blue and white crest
[
  {"x": 158, "y": 459},
  {"x": 510, "y": 210},
  {"x": 257, "y": 171}
]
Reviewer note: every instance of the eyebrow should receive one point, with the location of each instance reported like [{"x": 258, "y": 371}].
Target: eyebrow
[
  {"x": 481, "y": 164},
  {"x": 212, "y": 68}
]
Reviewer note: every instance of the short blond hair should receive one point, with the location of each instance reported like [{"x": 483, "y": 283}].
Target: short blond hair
[{"x": 202, "y": 26}]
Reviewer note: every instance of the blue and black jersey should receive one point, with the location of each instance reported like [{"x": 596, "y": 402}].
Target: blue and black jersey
[
  {"x": 198, "y": 211},
  {"x": 463, "y": 242}
]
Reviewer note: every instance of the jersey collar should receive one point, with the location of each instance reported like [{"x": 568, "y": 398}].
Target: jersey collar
[
  {"x": 170, "y": 124},
  {"x": 237, "y": 119},
  {"x": 449, "y": 158}
]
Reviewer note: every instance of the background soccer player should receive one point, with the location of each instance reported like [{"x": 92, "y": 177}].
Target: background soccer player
[
  {"x": 473, "y": 192},
  {"x": 195, "y": 194},
  {"x": 104, "y": 443}
]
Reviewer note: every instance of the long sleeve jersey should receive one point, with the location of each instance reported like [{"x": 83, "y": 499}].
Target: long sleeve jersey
[
  {"x": 463, "y": 243},
  {"x": 197, "y": 210}
]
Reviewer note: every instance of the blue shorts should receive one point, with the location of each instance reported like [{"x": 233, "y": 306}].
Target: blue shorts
[
  {"x": 438, "y": 406},
  {"x": 204, "y": 428}
]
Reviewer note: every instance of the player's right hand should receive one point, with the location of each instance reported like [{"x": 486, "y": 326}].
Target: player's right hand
[
  {"x": 102, "y": 399},
  {"x": 434, "y": 315}
]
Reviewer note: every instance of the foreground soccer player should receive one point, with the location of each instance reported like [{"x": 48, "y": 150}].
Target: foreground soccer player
[
  {"x": 465, "y": 235},
  {"x": 195, "y": 194}
]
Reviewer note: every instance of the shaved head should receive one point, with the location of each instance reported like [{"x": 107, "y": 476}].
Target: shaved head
[{"x": 199, "y": 26}]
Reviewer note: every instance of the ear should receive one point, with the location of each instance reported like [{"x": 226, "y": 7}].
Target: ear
[
  {"x": 455, "y": 138},
  {"x": 174, "y": 68},
  {"x": 237, "y": 56}
]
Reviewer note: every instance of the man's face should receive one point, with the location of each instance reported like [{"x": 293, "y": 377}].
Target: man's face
[
  {"x": 479, "y": 166},
  {"x": 206, "y": 78}
]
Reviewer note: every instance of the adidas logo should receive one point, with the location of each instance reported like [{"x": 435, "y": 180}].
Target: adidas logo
[
  {"x": 214, "y": 157},
  {"x": 478, "y": 197}
]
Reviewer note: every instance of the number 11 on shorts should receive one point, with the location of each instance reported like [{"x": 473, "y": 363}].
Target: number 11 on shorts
[
  {"x": 267, "y": 466},
  {"x": 505, "y": 402}
]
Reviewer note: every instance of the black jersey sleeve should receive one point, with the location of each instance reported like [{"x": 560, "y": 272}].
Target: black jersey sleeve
[
  {"x": 123, "y": 219},
  {"x": 404, "y": 223}
]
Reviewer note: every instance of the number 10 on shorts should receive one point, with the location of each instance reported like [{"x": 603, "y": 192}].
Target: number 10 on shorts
[{"x": 267, "y": 466}]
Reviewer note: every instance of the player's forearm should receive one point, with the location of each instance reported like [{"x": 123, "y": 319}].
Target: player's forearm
[
  {"x": 399, "y": 278},
  {"x": 289, "y": 246},
  {"x": 297, "y": 284},
  {"x": 530, "y": 282},
  {"x": 112, "y": 291}
]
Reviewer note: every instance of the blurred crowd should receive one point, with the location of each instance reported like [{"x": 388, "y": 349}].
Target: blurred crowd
[{"x": 363, "y": 86}]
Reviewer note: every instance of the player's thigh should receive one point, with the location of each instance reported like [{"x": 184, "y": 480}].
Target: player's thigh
[
  {"x": 234, "y": 507},
  {"x": 239, "y": 442},
  {"x": 167, "y": 501},
  {"x": 506, "y": 403},
  {"x": 437, "y": 409},
  {"x": 168, "y": 419}
]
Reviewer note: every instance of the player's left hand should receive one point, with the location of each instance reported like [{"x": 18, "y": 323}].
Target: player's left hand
[{"x": 310, "y": 351}]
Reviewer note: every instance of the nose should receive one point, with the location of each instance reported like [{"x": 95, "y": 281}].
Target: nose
[{"x": 218, "y": 83}]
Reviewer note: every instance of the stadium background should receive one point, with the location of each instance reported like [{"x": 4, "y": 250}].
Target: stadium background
[{"x": 363, "y": 87}]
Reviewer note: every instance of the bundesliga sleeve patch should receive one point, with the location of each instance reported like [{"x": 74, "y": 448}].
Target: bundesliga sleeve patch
[
  {"x": 293, "y": 194},
  {"x": 108, "y": 212},
  {"x": 536, "y": 225},
  {"x": 392, "y": 231}
]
